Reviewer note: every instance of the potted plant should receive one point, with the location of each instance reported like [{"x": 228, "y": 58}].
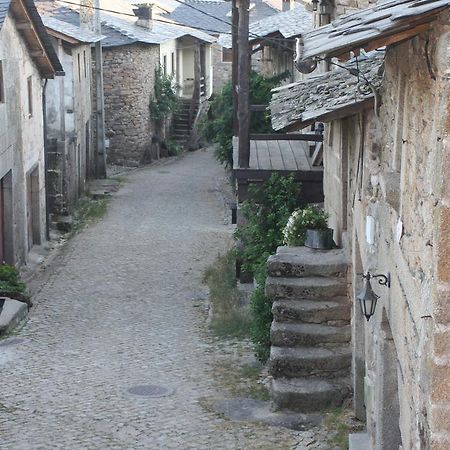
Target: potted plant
[{"x": 309, "y": 227}]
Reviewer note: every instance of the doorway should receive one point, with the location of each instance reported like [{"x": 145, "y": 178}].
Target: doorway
[
  {"x": 33, "y": 208},
  {"x": 6, "y": 219}
]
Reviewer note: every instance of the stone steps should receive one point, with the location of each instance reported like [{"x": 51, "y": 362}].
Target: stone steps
[
  {"x": 287, "y": 334},
  {"x": 289, "y": 263},
  {"x": 310, "y": 311},
  {"x": 310, "y": 288},
  {"x": 308, "y": 394},
  {"x": 294, "y": 362}
]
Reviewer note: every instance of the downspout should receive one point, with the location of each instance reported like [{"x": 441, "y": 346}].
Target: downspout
[{"x": 44, "y": 116}]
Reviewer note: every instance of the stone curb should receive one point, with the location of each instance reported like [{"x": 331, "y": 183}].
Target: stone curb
[{"x": 11, "y": 315}]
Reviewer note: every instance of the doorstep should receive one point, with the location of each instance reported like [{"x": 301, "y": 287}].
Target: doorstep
[{"x": 359, "y": 441}]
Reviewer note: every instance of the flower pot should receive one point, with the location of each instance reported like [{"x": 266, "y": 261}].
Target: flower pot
[{"x": 320, "y": 239}]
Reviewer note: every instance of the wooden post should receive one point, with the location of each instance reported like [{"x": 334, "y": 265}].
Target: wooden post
[
  {"x": 234, "y": 76},
  {"x": 243, "y": 93}
]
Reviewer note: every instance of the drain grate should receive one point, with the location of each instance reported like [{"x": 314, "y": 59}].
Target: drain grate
[{"x": 151, "y": 390}]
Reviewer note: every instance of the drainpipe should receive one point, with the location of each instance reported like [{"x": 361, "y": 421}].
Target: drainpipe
[{"x": 47, "y": 208}]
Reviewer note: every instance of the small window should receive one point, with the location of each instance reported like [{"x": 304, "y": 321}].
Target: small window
[
  {"x": 85, "y": 64},
  {"x": 79, "y": 68},
  {"x": 165, "y": 65},
  {"x": 30, "y": 96},
  {"x": 2, "y": 85},
  {"x": 172, "y": 56},
  {"x": 227, "y": 55}
]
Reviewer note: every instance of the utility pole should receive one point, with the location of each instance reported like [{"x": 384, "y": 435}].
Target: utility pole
[
  {"x": 100, "y": 103},
  {"x": 235, "y": 65},
  {"x": 243, "y": 92}
]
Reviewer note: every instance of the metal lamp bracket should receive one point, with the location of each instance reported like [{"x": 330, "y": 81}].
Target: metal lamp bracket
[{"x": 383, "y": 280}]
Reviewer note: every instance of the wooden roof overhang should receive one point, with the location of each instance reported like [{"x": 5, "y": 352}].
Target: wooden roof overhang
[
  {"x": 386, "y": 23},
  {"x": 30, "y": 26}
]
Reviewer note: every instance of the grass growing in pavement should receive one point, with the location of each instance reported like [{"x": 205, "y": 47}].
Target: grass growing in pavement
[
  {"x": 228, "y": 319},
  {"x": 90, "y": 210},
  {"x": 340, "y": 423}
]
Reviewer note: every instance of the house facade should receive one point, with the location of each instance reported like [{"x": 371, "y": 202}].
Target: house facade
[
  {"x": 27, "y": 59},
  {"x": 69, "y": 109},
  {"x": 386, "y": 191},
  {"x": 132, "y": 52}
]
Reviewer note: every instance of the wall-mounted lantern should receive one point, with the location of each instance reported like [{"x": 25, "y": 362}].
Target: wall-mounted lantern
[
  {"x": 315, "y": 4},
  {"x": 325, "y": 7},
  {"x": 367, "y": 297}
]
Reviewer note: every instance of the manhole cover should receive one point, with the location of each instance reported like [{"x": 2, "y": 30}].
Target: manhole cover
[
  {"x": 11, "y": 341},
  {"x": 150, "y": 390}
]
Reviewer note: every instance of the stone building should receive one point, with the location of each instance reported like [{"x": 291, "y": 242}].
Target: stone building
[
  {"x": 69, "y": 108},
  {"x": 386, "y": 187},
  {"x": 132, "y": 51},
  {"x": 27, "y": 60}
]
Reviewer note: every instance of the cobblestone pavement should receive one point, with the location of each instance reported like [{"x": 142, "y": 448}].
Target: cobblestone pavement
[{"x": 119, "y": 310}]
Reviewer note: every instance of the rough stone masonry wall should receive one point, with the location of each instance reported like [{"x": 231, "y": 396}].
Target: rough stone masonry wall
[
  {"x": 405, "y": 188},
  {"x": 129, "y": 74},
  {"x": 347, "y": 6}
]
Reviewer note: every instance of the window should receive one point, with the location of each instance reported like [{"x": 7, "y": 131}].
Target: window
[
  {"x": 227, "y": 55},
  {"x": 2, "y": 85},
  {"x": 79, "y": 67},
  {"x": 30, "y": 96},
  {"x": 165, "y": 64},
  {"x": 172, "y": 57},
  {"x": 85, "y": 64}
]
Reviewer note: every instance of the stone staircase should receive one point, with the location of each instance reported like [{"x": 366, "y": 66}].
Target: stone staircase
[
  {"x": 181, "y": 125},
  {"x": 310, "y": 357}
]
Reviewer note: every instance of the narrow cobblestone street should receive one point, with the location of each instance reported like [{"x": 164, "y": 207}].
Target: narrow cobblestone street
[{"x": 120, "y": 310}]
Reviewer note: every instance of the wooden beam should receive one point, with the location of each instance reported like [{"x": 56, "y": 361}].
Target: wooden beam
[
  {"x": 23, "y": 26},
  {"x": 258, "y": 108},
  {"x": 287, "y": 137},
  {"x": 243, "y": 76},
  {"x": 317, "y": 157}
]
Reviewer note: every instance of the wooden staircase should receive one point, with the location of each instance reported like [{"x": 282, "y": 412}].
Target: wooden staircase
[
  {"x": 183, "y": 121},
  {"x": 310, "y": 357}
]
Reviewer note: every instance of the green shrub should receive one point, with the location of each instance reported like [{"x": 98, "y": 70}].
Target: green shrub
[
  {"x": 10, "y": 280},
  {"x": 266, "y": 214},
  {"x": 173, "y": 148},
  {"x": 218, "y": 128},
  {"x": 165, "y": 100},
  {"x": 309, "y": 218}
]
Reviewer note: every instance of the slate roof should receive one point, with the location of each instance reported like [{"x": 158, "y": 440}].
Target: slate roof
[
  {"x": 287, "y": 23},
  {"x": 121, "y": 29},
  {"x": 187, "y": 15},
  {"x": 40, "y": 31},
  {"x": 356, "y": 30},
  {"x": 160, "y": 33},
  {"x": 70, "y": 30},
  {"x": 325, "y": 97}
]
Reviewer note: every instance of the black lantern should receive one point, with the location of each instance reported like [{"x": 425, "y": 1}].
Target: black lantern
[
  {"x": 324, "y": 7},
  {"x": 315, "y": 3},
  {"x": 367, "y": 297}
]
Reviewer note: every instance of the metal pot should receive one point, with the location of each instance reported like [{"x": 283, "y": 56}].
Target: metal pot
[{"x": 320, "y": 239}]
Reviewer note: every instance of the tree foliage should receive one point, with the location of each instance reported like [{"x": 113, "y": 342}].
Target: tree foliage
[{"x": 165, "y": 100}]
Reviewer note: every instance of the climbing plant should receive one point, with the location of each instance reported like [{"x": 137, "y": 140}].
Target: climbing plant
[{"x": 165, "y": 100}]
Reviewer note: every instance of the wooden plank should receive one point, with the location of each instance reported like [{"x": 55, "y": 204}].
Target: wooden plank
[
  {"x": 253, "y": 155},
  {"x": 317, "y": 157},
  {"x": 290, "y": 162},
  {"x": 300, "y": 156},
  {"x": 264, "y": 162},
  {"x": 275, "y": 155},
  {"x": 312, "y": 137},
  {"x": 255, "y": 175}
]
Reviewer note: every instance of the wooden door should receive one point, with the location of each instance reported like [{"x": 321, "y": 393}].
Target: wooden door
[
  {"x": 29, "y": 212},
  {"x": 2, "y": 223}
]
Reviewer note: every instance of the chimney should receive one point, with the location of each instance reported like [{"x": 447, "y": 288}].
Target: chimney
[
  {"x": 87, "y": 15},
  {"x": 286, "y": 5},
  {"x": 143, "y": 12}
]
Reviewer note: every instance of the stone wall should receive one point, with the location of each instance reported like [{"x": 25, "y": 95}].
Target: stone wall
[
  {"x": 221, "y": 70},
  {"x": 129, "y": 74},
  {"x": 396, "y": 162}
]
